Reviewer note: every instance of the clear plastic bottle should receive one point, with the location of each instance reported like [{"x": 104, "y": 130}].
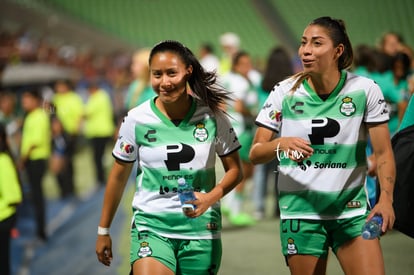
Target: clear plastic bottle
[
  {"x": 185, "y": 194},
  {"x": 372, "y": 228}
]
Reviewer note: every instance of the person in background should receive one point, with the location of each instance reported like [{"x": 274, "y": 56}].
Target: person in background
[
  {"x": 243, "y": 82},
  {"x": 58, "y": 158},
  {"x": 140, "y": 89},
  {"x": 390, "y": 44},
  {"x": 408, "y": 119},
  {"x": 35, "y": 151},
  {"x": 176, "y": 134},
  {"x": 317, "y": 123},
  {"x": 69, "y": 110},
  {"x": 208, "y": 59},
  {"x": 403, "y": 148},
  {"x": 366, "y": 63},
  {"x": 10, "y": 117},
  {"x": 279, "y": 66},
  {"x": 99, "y": 127},
  {"x": 230, "y": 45},
  {"x": 10, "y": 197},
  {"x": 394, "y": 85}
]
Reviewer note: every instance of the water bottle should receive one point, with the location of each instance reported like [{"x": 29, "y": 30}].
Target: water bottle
[
  {"x": 185, "y": 194},
  {"x": 372, "y": 228}
]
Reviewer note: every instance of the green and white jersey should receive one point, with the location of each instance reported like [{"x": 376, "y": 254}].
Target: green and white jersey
[
  {"x": 165, "y": 152},
  {"x": 246, "y": 91},
  {"x": 330, "y": 184}
]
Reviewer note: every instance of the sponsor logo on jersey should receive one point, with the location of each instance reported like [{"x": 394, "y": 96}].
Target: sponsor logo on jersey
[
  {"x": 275, "y": 115},
  {"x": 126, "y": 148},
  {"x": 323, "y": 151},
  {"x": 321, "y": 165},
  {"x": 385, "y": 110},
  {"x": 347, "y": 107},
  {"x": 354, "y": 204},
  {"x": 295, "y": 108},
  {"x": 323, "y": 128},
  {"x": 212, "y": 226},
  {"x": 200, "y": 132},
  {"x": 329, "y": 164},
  {"x": 266, "y": 106},
  {"x": 149, "y": 136},
  {"x": 177, "y": 154}
]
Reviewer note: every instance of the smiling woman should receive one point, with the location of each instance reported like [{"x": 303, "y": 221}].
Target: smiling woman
[
  {"x": 322, "y": 190},
  {"x": 169, "y": 81},
  {"x": 173, "y": 135}
]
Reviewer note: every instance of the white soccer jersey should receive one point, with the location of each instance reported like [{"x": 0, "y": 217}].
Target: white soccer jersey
[
  {"x": 330, "y": 184},
  {"x": 244, "y": 90},
  {"x": 165, "y": 152}
]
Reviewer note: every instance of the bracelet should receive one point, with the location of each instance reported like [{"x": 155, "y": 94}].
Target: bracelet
[{"x": 103, "y": 230}]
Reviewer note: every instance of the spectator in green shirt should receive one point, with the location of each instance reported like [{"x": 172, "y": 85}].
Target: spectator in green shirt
[
  {"x": 99, "y": 126},
  {"x": 10, "y": 197},
  {"x": 69, "y": 111},
  {"x": 35, "y": 151}
]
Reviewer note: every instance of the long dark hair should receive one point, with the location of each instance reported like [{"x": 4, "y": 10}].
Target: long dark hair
[
  {"x": 202, "y": 83},
  {"x": 337, "y": 32},
  {"x": 279, "y": 66}
]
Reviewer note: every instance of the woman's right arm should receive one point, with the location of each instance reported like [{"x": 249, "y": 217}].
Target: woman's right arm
[
  {"x": 266, "y": 147},
  {"x": 115, "y": 186}
]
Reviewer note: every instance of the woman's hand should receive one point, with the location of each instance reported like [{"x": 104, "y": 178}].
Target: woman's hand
[
  {"x": 295, "y": 148},
  {"x": 104, "y": 249},
  {"x": 384, "y": 209},
  {"x": 202, "y": 203}
]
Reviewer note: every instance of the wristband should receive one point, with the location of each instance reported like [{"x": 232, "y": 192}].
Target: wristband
[{"x": 103, "y": 231}]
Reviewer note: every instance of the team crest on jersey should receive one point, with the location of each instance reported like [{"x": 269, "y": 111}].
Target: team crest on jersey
[
  {"x": 347, "y": 108},
  {"x": 291, "y": 247},
  {"x": 145, "y": 250},
  {"x": 126, "y": 148},
  {"x": 200, "y": 133}
]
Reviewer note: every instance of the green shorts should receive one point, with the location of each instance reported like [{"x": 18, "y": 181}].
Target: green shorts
[
  {"x": 185, "y": 257},
  {"x": 314, "y": 237},
  {"x": 246, "y": 140}
]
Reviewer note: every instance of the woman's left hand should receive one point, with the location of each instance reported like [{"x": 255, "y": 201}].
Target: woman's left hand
[
  {"x": 201, "y": 204},
  {"x": 384, "y": 209}
]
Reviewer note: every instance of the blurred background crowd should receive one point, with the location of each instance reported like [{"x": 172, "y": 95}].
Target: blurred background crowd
[{"x": 84, "y": 65}]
